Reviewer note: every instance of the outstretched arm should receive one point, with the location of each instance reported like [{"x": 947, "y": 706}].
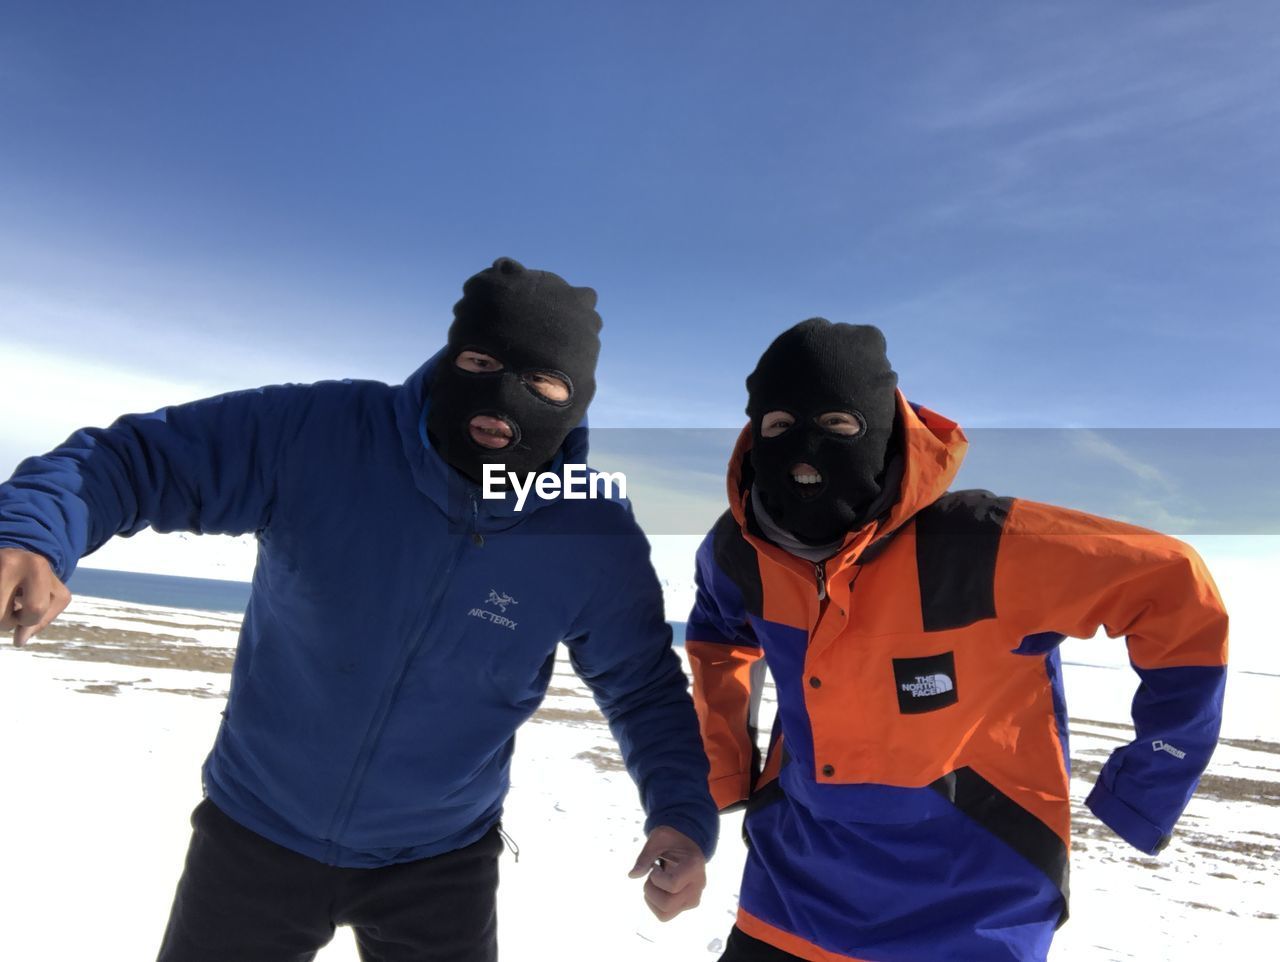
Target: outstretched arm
[{"x": 205, "y": 467}]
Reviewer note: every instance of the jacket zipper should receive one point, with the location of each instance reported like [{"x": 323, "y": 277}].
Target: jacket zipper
[
  {"x": 346, "y": 807},
  {"x": 820, "y": 569}
]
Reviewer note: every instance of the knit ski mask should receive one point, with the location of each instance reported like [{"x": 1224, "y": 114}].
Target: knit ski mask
[
  {"x": 815, "y": 368},
  {"x": 532, "y": 322}
]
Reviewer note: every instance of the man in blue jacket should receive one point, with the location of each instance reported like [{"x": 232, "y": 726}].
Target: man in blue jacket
[{"x": 360, "y": 769}]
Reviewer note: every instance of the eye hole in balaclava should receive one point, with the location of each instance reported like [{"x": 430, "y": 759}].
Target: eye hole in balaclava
[
  {"x": 822, "y": 401},
  {"x": 519, "y": 371}
]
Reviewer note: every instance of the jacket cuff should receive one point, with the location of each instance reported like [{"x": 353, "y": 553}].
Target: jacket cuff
[
  {"x": 45, "y": 551},
  {"x": 728, "y": 790},
  {"x": 1134, "y": 828},
  {"x": 705, "y": 836}
]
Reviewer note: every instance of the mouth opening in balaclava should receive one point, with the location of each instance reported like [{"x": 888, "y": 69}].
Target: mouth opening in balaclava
[
  {"x": 539, "y": 330},
  {"x": 814, "y": 482}
]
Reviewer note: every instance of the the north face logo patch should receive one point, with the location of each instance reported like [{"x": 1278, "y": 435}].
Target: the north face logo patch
[{"x": 925, "y": 684}]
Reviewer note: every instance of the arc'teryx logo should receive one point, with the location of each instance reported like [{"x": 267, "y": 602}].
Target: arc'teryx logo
[{"x": 499, "y": 600}]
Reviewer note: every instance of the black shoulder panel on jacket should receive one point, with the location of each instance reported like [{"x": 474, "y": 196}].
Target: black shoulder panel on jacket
[
  {"x": 956, "y": 542},
  {"x": 1011, "y": 823},
  {"x": 738, "y": 560}
]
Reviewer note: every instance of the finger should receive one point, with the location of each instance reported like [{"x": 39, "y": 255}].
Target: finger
[
  {"x": 677, "y": 875},
  {"x": 666, "y": 905},
  {"x": 33, "y": 591},
  {"x": 668, "y": 878},
  {"x": 646, "y": 859},
  {"x": 660, "y": 898},
  {"x": 9, "y": 583},
  {"x": 659, "y": 906},
  {"x": 58, "y": 602},
  {"x": 33, "y": 596}
]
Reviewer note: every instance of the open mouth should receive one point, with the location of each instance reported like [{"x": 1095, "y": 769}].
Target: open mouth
[
  {"x": 490, "y": 432},
  {"x": 806, "y": 479}
]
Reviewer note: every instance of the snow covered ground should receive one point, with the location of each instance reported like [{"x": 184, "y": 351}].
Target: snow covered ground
[{"x": 107, "y": 718}]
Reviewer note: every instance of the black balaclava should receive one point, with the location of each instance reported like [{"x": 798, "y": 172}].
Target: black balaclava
[
  {"x": 812, "y": 369},
  {"x": 531, "y": 322}
]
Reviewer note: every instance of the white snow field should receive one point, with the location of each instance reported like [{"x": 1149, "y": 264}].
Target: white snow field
[{"x": 107, "y": 718}]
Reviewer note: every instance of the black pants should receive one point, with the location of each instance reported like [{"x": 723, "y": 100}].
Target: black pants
[
  {"x": 745, "y": 948},
  {"x": 243, "y": 898}
]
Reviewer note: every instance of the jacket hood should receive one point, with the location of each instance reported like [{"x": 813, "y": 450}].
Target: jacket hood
[
  {"x": 933, "y": 447},
  {"x": 457, "y": 495}
]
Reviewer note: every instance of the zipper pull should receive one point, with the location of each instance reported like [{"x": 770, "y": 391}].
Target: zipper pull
[
  {"x": 509, "y": 842},
  {"x": 476, "y": 536},
  {"x": 821, "y": 570}
]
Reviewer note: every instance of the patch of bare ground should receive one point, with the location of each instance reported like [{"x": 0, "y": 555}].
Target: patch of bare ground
[
  {"x": 101, "y": 688},
  {"x": 555, "y": 691},
  {"x": 580, "y": 718},
  {"x": 178, "y": 625},
  {"x": 193, "y": 692},
  {"x": 1082, "y": 767},
  {"x": 1252, "y": 744},
  {"x": 96, "y": 634},
  {"x": 133, "y": 612},
  {"x": 1231, "y": 789},
  {"x": 1226, "y": 788},
  {"x": 1118, "y": 739},
  {"x": 604, "y": 759},
  {"x": 1248, "y": 849},
  {"x": 140, "y": 649},
  {"x": 1102, "y": 724},
  {"x": 1225, "y": 847},
  {"x": 140, "y": 684},
  {"x": 1224, "y": 851}
]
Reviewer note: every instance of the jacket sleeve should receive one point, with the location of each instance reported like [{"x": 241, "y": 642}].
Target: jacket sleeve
[
  {"x": 621, "y": 648},
  {"x": 728, "y": 678},
  {"x": 207, "y": 467},
  {"x": 1070, "y": 573}
]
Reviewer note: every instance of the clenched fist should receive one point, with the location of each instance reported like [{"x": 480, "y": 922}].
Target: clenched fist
[
  {"x": 677, "y": 872},
  {"x": 31, "y": 595}
]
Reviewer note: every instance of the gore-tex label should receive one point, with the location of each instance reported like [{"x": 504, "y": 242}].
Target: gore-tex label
[{"x": 925, "y": 684}]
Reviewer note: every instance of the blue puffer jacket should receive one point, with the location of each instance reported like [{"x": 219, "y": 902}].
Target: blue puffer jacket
[{"x": 401, "y": 628}]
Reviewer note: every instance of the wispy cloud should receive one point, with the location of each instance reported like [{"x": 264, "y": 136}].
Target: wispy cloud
[
  {"x": 1093, "y": 445},
  {"x": 1094, "y": 78},
  {"x": 1047, "y": 115}
]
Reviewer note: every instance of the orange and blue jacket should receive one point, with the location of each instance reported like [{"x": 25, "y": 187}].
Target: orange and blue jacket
[{"x": 914, "y": 801}]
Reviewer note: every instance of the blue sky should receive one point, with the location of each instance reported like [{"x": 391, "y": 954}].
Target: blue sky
[{"x": 1062, "y": 215}]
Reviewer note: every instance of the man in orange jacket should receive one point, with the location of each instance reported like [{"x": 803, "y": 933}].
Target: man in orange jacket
[{"x": 914, "y": 802}]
